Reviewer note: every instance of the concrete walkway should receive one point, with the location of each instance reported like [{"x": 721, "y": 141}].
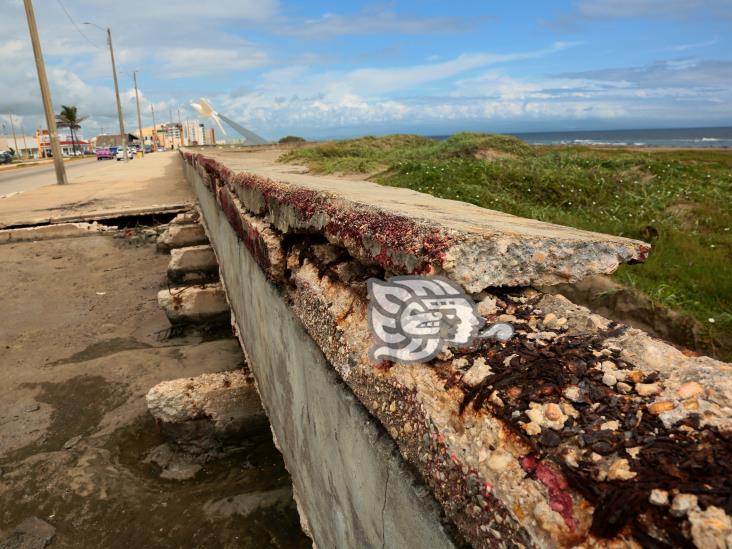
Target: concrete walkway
[
  {"x": 83, "y": 339},
  {"x": 103, "y": 190}
]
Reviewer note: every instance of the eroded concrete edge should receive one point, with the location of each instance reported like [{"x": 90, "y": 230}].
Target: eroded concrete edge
[
  {"x": 352, "y": 486},
  {"x": 412, "y": 244}
]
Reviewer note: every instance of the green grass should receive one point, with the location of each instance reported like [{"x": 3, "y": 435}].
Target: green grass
[{"x": 680, "y": 201}]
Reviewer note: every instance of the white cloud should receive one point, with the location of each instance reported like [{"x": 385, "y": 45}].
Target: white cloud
[
  {"x": 186, "y": 62},
  {"x": 375, "y": 21},
  {"x": 693, "y": 46}
]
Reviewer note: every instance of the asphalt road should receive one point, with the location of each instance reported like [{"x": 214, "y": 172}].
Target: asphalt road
[{"x": 25, "y": 179}]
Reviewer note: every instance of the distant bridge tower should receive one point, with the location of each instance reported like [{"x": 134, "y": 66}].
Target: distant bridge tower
[{"x": 204, "y": 108}]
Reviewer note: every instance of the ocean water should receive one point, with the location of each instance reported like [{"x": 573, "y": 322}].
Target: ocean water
[{"x": 674, "y": 137}]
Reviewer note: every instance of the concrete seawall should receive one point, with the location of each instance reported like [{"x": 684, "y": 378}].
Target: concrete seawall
[
  {"x": 577, "y": 431},
  {"x": 351, "y": 485}
]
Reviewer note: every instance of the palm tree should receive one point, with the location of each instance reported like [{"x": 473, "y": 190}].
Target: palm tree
[{"x": 69, "y": 118}]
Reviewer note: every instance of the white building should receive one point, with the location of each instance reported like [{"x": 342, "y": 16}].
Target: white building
[
  {"x": 25, "y": 145},
  {"x": 194, "y": 133}
]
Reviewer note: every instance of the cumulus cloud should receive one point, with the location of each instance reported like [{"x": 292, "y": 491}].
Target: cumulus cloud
[
  {"x": 187, "y": 62},
  {"x": 192, "y": 49}
]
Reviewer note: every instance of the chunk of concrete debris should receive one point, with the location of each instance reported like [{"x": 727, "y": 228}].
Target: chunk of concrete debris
[
  {"x": 180, "y": 236},
  {"x": 32, "y": 533},
  {"x": 185, "y": 218},
  {"x": 174, "y": 465},
  {"x": 206, "y": 412},
  {"x": 192, "y": 263},
  {"x": 194, "y": 304}
]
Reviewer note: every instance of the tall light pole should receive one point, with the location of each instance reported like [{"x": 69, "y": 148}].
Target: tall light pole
[
  {"x": 58, "y": 162},
  {"x": 155, "y": 128},
  {"x": 25, "y": 145},
  {"x": 12, "y": 126},
  {"x": 180, "y": 128},
  {"x": 139, "y": 120},
  {"x": 122, "y": 133}
]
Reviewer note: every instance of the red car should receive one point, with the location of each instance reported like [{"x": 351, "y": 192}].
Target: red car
[{"x": 104, "y": 154}]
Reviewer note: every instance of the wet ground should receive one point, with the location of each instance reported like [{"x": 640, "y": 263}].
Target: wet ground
[{"x": 81, "y": 341}]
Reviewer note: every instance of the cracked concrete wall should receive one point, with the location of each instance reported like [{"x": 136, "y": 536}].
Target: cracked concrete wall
[
  {"x": 520, "y": 442},
  {"x": 352, "y": 486}
]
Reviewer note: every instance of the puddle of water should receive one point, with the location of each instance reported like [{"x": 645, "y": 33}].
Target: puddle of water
[
  {"x": 78, "y": 406},
  {"x": 105, "y": 496}
]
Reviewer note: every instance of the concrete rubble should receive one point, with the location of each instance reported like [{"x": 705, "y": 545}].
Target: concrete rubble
[
  {"x": 209, "y": 411},
  {"x": 578, "y": 431},
  {"x": 192, "y": 263},
  {"x": 179, "y": 235},
  {"x": 194, "y": 304}
]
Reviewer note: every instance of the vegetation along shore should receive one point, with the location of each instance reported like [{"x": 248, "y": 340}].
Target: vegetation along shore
[{"x": 678, "y": 200}]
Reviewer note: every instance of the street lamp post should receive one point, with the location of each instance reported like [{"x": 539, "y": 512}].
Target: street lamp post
[
  {"x": 15, "y": 139},
  {"x": 155, "y": 139},
  {"x": 139, "y": 120},
  {"x": 25, "y": 144},
  {"x": 58, "y": 161},
  {"x": 122, "y": 133}
]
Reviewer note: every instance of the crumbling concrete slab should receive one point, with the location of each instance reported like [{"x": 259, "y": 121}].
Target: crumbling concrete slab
[
  {"x": 47, "y": 232},
  {"x": 191, "y": 263},
  {"x": 194, "y": 304},
  {"x": 186, "y": 218},
  {"x": 209, "y": 411},
  {"x": 181, "y": 236},
  {"x": 408, "y": 232}
]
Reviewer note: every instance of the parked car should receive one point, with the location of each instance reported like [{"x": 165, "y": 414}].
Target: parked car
[
  {"x": 5, "y": 158},
  {"x": 121, "y": 154},
  {"x": 104, "y": 153}
]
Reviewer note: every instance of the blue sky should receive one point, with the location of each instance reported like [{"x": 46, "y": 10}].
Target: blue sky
[{"x": 329, "y": 69}]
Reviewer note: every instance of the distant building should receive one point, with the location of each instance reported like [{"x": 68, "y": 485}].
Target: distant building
[
  {"x": 163, "y": 135},
  {"x": 112, "y": 141},
  {"x": 65, "y": 141},
  {"x": 27, "y": 146},
  {"x": 174, "y": 133},
  {"x": 194, "y": 133},
  {"x": 210, "y": 136}
]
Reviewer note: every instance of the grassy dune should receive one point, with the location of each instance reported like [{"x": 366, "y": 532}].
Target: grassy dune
[{"x": 680, "y": 201}]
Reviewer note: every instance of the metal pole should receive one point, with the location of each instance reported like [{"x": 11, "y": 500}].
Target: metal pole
[
  {"x": 139, "y": 120},
  {"x": 25, "y": 144},
  {"x": 122, "y": 132},
  {"x": 180, "y": 129},
  {"x": 155, "y": 129},
  {"x": 15, "y": 139},
  {"x": 170, "y": 131},
  {"x": 58, "y": 162}
]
